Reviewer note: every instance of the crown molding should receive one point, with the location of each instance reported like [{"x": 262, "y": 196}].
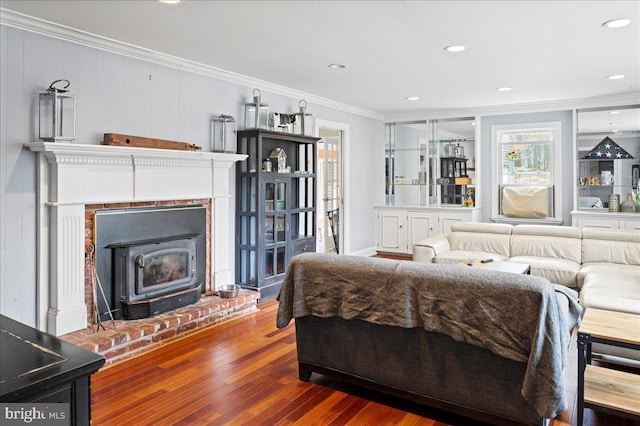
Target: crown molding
[
  {"x": 32, "y": 24},
  {"x": 632, "y": 98}
]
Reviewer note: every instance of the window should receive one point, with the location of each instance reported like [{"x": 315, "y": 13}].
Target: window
[{"x": 527, "y": 156}]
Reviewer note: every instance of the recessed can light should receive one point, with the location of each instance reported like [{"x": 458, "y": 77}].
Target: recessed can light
[
  {"x": 337, "y": 66},
  {"x": 504, "y": 89},
  {"x": 617, "y": 23},
  {"x": 169, "y": 1},
  {"x": 412, "y": 98},
  {"x": 455, "y": 48},
  {"x": 615, "y": 77}
]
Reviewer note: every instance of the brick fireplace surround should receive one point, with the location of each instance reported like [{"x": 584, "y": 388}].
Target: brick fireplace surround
[{"x": 75, "y": 178}]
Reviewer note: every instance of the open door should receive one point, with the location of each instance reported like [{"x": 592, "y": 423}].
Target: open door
[{"x": 330, "y": 205}]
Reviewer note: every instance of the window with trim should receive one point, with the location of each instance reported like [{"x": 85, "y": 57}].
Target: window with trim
[{"x": 526, "y": 159}]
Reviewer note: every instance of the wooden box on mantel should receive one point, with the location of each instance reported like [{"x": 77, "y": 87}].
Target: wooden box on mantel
[{"x": 142, "y": 142}]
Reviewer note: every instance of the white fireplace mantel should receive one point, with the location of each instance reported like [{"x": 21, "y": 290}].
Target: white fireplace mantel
[{"x": 72, "y": 175}]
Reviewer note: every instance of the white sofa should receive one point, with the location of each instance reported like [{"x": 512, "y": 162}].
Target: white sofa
[{"x": 603, "y": 265}]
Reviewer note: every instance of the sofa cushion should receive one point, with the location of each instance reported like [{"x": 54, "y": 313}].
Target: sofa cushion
[
  {"x": 483, "y": 228},
  {"x": 605, "y": 268},
  {"x": 559, "y": 271},
  {"x": 612, "y": 292},
  {"x": 620, "y": 246},
  {"x": 558, "y": 242},
  {"x": 492, "y": 238}
]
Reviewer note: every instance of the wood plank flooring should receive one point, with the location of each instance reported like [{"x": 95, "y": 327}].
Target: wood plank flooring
[{"x": 244, "y": 372}]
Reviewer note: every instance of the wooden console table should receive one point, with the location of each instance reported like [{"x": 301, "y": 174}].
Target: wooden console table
[
  {"x": 602, "y": 388},
  {"x": 37, "y": 367}
]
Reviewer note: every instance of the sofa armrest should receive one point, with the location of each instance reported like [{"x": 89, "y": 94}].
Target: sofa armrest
[{"x": 426, "y": 250}]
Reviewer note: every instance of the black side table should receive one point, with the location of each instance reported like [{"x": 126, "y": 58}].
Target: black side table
[{"x": 36, "y": 367}]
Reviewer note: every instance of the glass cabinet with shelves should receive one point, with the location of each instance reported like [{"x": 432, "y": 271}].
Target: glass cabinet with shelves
[
  {"x": 276, "y": 191},
  {"x": 430, "y": 163},
  {"x": 608, "y": 156}
]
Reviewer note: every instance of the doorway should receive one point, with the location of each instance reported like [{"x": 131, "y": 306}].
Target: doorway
[{"x": 330, "y": 212}]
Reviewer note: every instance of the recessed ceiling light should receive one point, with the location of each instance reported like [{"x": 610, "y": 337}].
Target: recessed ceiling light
[
  {"x": 412, "y": 98},
  {"x": 504, "y": 89},
  {"x": 615, "y": 77},
  {"x": 169, "y": 1},
  {"x": 455, "y": 48},
  {"x": 615, "y": 123},
  {"x": 473, "y": 123},
  {"x": 617, "y": 23},
  {"x": 337, "y": 66},
  {"x": 614, "y": 112}
]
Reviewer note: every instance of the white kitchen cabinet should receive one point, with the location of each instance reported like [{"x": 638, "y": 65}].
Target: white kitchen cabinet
[{"x": 399, "y": 228}]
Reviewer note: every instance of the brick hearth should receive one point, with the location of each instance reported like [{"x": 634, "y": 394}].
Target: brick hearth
[{"x": 132, "y": 337}]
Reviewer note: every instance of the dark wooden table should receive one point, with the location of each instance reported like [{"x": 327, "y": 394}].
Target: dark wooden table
[{"x": 36, "y": 367}]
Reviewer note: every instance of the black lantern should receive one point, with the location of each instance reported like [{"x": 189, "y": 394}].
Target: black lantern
[
  {"x": 223, "y": 134},
  {"x": 256, "y": 113},
  {"x": 57, "y": 113}
]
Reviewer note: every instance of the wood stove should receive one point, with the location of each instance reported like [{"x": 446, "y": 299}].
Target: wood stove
[
  {"x": 151, "y": 260},
  {"x": 156, "y": 275}
]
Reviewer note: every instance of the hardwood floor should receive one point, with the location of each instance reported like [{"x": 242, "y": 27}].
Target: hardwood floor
[{"x": 245, "y": 372}]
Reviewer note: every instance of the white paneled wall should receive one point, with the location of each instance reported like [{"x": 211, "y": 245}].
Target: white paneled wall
[{"x": 120, "y": 94}]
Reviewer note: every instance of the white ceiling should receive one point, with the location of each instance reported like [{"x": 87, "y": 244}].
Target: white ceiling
[{"x": 545, "y": 50}]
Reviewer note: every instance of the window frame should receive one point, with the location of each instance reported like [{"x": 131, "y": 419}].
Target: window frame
[{"x": 497, "y": 131}]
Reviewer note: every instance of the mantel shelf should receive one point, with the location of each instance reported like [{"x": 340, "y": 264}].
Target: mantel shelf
[{"x": 55, "y": 151}]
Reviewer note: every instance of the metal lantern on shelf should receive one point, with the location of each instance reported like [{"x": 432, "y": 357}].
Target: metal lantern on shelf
[
  {"x": 304, "y": 122},
  {"x": 256, "y": 113},
  {"x": 223, "y": 134},
  {"x": 57, "y": 113}
]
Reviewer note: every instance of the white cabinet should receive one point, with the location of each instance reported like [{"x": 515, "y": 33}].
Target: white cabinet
[
  {"x": 392, "y": 231},
  {"x": 604, "y": 219},
  {"x": 420, "y": 225},
  {"x": 399, "y": 228}
]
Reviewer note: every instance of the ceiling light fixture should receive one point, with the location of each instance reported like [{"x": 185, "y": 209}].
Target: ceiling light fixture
[
  {"x": 337, "y": 66},
  {"x": 473, "y": 123},
  {"x": 454, "y": 48},
  {"x": 617, "y": 23},
  {"x": 413, "y": 98},
  {"x": 614, "y": 112},
  {"x": 504, "y": 89},
  {"x": 169, "y": 1},
  {"x": 615, "y": 123},
  {"x": 615, "y": 77}
]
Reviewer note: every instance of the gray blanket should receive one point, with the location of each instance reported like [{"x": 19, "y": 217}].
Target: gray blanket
[{"x": 514, "y": 316}]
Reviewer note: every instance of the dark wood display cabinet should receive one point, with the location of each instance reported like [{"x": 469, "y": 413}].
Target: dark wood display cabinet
[
  {"x": 276, "y": 206},
  {"x": 450, "y": 169},
  {"x": 36, "y": 367}
]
